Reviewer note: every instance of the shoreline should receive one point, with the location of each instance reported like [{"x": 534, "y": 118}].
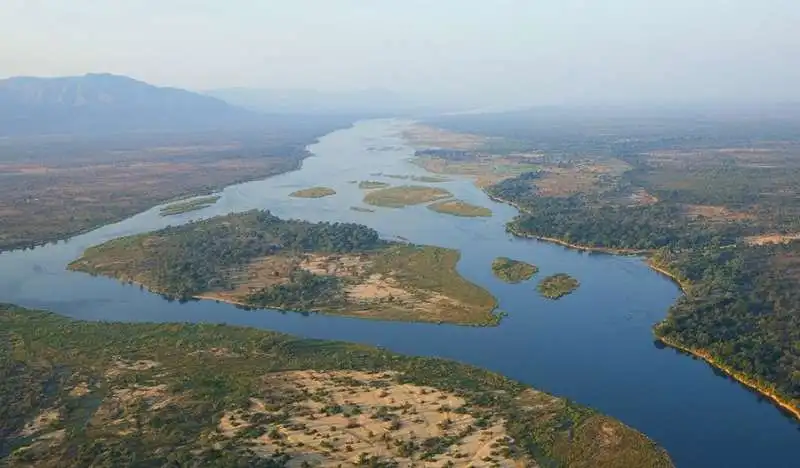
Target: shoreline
[
  {"x": 740, "y": 377},
  {"x": 743, "y": 379}
]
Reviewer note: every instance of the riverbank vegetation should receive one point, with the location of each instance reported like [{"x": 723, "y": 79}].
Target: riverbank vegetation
[
  {"x": 313, "y": 192},
  {"x": 557, "y": 286},
  {"x": 258, "y": 260},
  {"x": 189, "y": 205},
  {"x": 108, "y": 394},
  {"x": 405, "y": 195},
  {"x": 716, "y": 202},
  {"x": 460, "y": 208},
  {"x": 513, "y": 271}
]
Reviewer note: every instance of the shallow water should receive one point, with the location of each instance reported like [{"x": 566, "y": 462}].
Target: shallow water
[{"x": 594, "y": 346}]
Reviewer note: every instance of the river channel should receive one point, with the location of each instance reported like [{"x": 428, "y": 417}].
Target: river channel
[{"x": 594, "y": 346}]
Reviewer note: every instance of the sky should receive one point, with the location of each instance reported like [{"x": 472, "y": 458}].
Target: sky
[{"x": 489, "y": 51}]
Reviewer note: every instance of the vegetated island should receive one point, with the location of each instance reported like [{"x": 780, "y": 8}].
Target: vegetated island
[
  {"x": 80, "y": 394},
  {"x": 313, "y": 192},
  {"x": 189, "y": 205},
  {"x": 258, "y": 260},
  {"x": 460, "y": 208},
  {"x": 557, "y": 286},
  {"x": 362, "y": 209},
  {"x": 405, "y": 195},
  {"x": 371, "y": 184},
  {"x": 513, "y": 271}
]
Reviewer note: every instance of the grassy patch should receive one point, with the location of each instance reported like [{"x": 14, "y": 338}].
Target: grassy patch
[
  {"x": 189, "y": 205},
  {"x": 557, "y": 286},
  {"x": 513, "y": 271},
  {"x": 460, "y": 208},
  {"x": 398, "y": 197},
  {"x": 313, "y": 192},
  {"x": 371, "y": 184}
]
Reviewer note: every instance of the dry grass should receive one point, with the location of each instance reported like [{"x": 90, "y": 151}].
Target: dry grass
[
  {"x": 398, "y": 197},
  {"x": 772, "y": 239},
  {"x": 423, "y": 136},
  {"x": 460, "y": 208},
  {"x": 349, "y": 416}
]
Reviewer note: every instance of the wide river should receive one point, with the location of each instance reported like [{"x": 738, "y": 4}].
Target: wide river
[{"x": 594, "y": 346}]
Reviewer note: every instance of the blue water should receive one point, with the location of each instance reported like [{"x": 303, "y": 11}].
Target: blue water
[{"x": 594, "y": 346}]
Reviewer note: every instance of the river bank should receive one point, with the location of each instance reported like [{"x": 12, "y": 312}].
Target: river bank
[{"x": 743, "y": 379}]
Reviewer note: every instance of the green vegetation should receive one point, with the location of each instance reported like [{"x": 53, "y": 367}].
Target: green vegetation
[
  {"x": 371, "y": 184},
  {"x": 513, "y": 271},
  {"x": 256, "y": 259},
  {"x": 313, "y": 192},
  {"x": 398, "y": 197},
  {"x": 189, "y": 205},
  {"x": 362, "y": 209},
  {"x": 460, "y": 208},
  {"x": 741, "y": 307},
  {"x": 123, "y": 395},
  {"x": 557, "y": 286},
  {"x": 694, "y": 192}
]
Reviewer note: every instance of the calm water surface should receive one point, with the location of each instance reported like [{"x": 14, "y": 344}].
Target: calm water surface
[{"x": 594, "y": 346}]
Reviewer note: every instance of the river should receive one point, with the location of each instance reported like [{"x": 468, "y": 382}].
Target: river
[{"x": 594, "y": 346}]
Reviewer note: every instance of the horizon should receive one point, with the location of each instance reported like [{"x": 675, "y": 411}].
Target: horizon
[{"x": 501, "y": 53}]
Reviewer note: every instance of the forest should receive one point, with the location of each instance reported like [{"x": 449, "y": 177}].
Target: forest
[
  {"x": 185, "y": 260},
  {"x": 164, "y": 403}
]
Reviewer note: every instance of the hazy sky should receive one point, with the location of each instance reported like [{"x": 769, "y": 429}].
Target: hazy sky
[{"x": 531, "y": 51}]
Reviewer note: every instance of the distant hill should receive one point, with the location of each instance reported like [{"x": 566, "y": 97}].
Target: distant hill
[
  {"x": 102, "y": 103},
  {"x": 368, "y": 102}
]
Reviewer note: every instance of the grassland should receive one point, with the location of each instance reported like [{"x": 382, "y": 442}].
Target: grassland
[
  {"x": 189, "y": 205},
  {"x": 513, "y": 271},
  {"x": 557, "y": 286},
  {"x": 313, "y": 192},
  {"x": 257, "y": 260},
  {"x": 55, "y": 187},
  {"x": 371, "y": 184},
  {"x": 398, "y": 197},
  {"x": 460, "y": 208},
  {"x": 79, "y": 394}
]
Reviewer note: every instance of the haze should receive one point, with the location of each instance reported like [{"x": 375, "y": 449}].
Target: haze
[{"x": 481, "y": 52}]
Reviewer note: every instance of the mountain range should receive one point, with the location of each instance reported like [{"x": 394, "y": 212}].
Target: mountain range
[{"x": 103, "y": 103}]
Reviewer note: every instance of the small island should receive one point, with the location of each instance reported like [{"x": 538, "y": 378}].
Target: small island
[
  {"x": 361, "y": 209},
  {"x": 460, "y": 208},
  {"x": 557, "y": 286},
  {"x": 513, "y": 271},
  {"x": 258, "y": 260},
  {"x": 172, "y": 394},
  {"x": 185, "y": 206},
  {"x": 313, "y": 192},
  {"x": 405, "y": 195},
  {"x": 371, "y": 184}
]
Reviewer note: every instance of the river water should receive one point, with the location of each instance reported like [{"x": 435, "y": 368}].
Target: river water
[{"x": 594, "y": 346}]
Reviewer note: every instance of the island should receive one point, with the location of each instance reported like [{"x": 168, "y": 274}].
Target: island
[
  {"x": 186, "y": 206},
  {"x": 513, "y": 271},
  {"x": 460, "y": 208},
  {"x": 361, "y": 209},
  {"x": 99, "y": 393},
  {"x": 372, "y": 184},
  {"x": 405, "y": 195},
  {"x": 313, "y": 192},
  {"x": 557, "y": 286},
  {"x": 258, "y": 260}
]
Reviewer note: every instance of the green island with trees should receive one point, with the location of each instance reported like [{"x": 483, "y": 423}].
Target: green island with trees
[
  {"x": 112, "y": 394},
  {"x": 313, "y": 192},
  {"x": 513, "y": 271},
  {"x": 405, "y": 195},
  {"x": 716, "y": 208},
  {"x": 187, "y": 206},
  {"x": 460, "y": 208},
  {"x": 258, "y": 260},
  {"x": 557, "y": 286}
]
